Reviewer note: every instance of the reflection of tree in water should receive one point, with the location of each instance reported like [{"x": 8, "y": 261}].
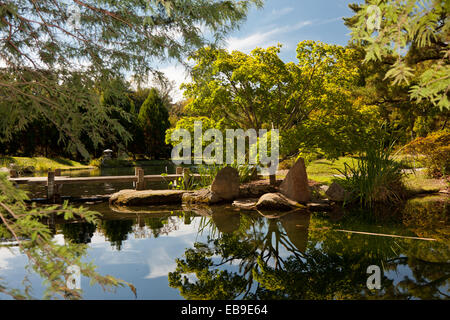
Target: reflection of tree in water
[
  {"x": 116, "y": 231},
  {"x": 283, "y": 259},
  {"x": 81, "y": 232},
  {"x": 162, "y": 226}
]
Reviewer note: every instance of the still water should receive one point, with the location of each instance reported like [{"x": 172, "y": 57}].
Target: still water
[{"x": 220, "y": 253}]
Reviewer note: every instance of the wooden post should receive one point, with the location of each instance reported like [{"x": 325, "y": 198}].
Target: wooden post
[
  {"x": 178, "y": 170},
  {"x": 140, "y": 183},
  {"x": 13, "y": 173},
  {"x": 272, "y": 179},
  {"x": 58, "y": 187},
  {"x": 51, "y": 187}
]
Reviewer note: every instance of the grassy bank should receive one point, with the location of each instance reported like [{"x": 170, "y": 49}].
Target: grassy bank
[
  {"x": 325, "y": 171},
  {"x": 39, "y": 164},
  {"x": 118, "y": 163}
]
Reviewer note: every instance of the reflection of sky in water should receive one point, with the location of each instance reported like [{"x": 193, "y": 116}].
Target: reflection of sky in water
[
  {"x": 145, "y": 261},
  {"x": 142, "y": 262}
]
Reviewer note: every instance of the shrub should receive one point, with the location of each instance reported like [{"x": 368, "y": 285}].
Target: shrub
[
  {"x": 308, "y": 157},
  {"x": 436, "y": 148},
  {"x": 375, "y": 177}
]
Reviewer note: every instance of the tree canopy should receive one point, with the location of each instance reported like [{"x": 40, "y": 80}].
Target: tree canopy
[
  {"x": 308, "y": 101},
  {"x": 415, "y": 35},
  {"x": 54, "y": 54}
]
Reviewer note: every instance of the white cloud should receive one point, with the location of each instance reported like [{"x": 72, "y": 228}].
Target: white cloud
[
  {"x": 263, "y": 39},
  {"x": 177, "y": 73},
  {"x": 281, "y": 12}
]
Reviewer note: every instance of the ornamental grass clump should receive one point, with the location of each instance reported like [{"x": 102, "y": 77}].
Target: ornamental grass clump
[{"x": 375, "y": 178}]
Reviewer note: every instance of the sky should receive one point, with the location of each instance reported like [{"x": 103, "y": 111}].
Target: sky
[{"x": 286, "y": 22}]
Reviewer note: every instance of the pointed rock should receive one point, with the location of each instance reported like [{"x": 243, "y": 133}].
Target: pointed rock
[
  {"x": 295, "y": 184},
  {"x": 226, "y": 184}
]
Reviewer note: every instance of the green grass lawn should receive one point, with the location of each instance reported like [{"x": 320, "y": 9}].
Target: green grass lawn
[
  {"x": 42, "y": 163},
  {"x": 419, "y": 182},
  {"x": 324, "y": 171}
]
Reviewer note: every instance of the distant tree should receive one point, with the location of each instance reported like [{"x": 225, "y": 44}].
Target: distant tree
[
  {"x": 164, "y": 86},
  {"x": 52, "y": 52},
  {"x": 52, "y": 63},
  {"x": 154, "y": 121}
]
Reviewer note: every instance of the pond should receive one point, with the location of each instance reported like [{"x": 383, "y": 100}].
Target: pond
[{"x": 220, "y": 253}]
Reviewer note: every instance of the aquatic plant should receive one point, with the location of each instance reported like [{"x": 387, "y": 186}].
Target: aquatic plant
[{"x": 375, "y": 177}]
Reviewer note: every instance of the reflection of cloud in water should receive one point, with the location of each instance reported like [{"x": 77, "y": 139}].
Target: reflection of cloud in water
[
  {"x": 160, "y": 264},
  {"x": 7, "y": 254}
]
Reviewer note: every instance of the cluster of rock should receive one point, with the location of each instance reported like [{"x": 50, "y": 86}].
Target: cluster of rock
[{"x": 293, "y": 193}]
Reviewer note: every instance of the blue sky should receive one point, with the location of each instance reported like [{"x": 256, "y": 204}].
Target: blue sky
[{"x": 287, "y": 22}]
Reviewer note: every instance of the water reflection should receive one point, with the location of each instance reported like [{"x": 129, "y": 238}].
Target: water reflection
[
  {"x": 296, "y": 256},
  {"x": 219, "y": 253},
  {"x": 81, "y": 232}
]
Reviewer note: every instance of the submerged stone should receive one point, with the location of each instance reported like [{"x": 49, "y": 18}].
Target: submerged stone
[{"x": 276, "y": 201}]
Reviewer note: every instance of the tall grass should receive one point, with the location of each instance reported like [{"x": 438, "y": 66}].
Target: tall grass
[{"x": 376, "y": 177}]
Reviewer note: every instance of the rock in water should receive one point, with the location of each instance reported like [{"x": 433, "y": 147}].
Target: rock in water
[
  {"x": 245, "y": 204},
  {"x": 276, "y": 201},
  {"x": 295, "y": 185},
  {"x": 204, "y": 196},
  {"x": 146, "y": 197},
  {"x": 226, "y": 184}
]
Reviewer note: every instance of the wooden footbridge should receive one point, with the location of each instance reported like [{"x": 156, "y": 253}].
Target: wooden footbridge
[{"x": 54, "y": 180}]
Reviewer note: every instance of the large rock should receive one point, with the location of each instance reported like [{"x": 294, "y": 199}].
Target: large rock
[
  {"x": 295, "y": 184},
  {"x": 255, "y": 189},
  {"x": 226, "y": 184},
  {"x": 276, "y": 201},
  {"x": 202, "y": 196},
  {"x": 146, "y": 197},
  {"x": 337, "y": 193}
]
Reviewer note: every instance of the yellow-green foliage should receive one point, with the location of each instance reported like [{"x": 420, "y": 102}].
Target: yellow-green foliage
[
  {"x": 41, "y": 163},
  {"x": 436, "y": 148}
]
